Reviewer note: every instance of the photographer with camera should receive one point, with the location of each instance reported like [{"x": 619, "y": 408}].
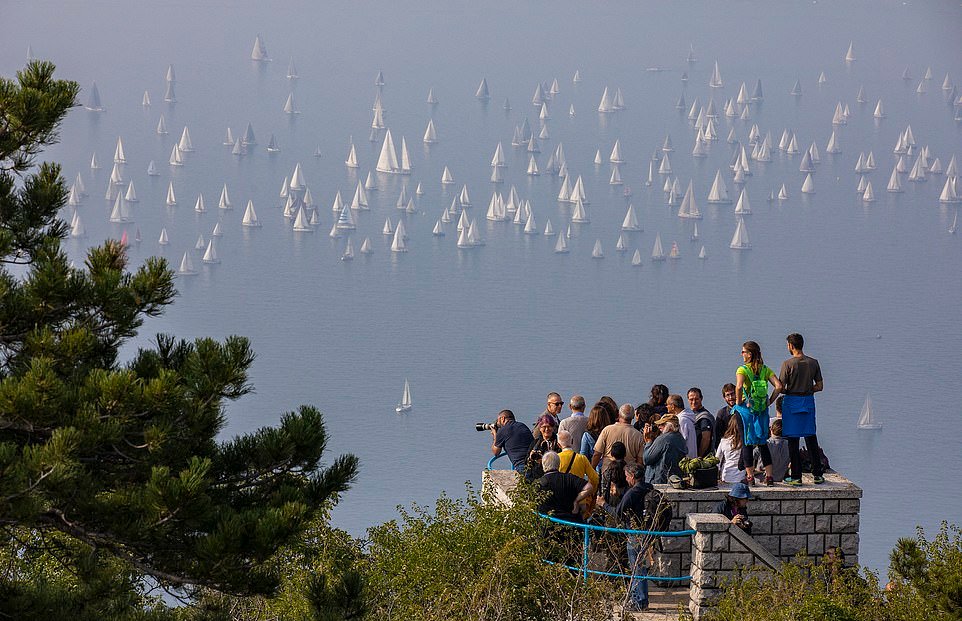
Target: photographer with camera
[
  {"x": 735, "y": 506},
  {"x": 511, "y": 436}
]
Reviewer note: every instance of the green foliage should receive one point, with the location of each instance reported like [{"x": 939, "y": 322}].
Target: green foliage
[
  {"x": 112, "y": 473},
  {"x": 468, "y": 559},
  {"x": 931, "y": 570},
  {"x": 926, "y": 585}
]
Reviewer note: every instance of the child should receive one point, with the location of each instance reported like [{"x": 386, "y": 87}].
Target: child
[
  {"x": 778, "y": 446},
  {"x": 728, "y": 452}
]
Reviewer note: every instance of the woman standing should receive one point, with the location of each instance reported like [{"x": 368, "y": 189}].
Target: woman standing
[
  {"x": 547, "y": 441},
  {"x": 597, "y": 420},
  {"x": 729, "y": 452},
  {"x": 752, "y": 400}
]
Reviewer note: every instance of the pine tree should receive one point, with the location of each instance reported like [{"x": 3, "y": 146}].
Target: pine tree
[{"x": 111, "y": 467}]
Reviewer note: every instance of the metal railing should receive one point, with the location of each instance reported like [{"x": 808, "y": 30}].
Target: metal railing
[{"x": 586, "y": 542}]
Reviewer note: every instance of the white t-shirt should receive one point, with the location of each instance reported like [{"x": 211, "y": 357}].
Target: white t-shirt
[{"x": 728, "y": 462}]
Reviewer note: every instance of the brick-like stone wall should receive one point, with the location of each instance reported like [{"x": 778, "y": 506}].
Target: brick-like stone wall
[{"x": 785, "y": 520}]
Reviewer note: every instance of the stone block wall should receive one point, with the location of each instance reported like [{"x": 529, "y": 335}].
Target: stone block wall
[{"x": 785, "y": 520}]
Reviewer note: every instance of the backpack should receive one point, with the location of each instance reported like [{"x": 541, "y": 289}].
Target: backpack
[
  {"x": 756, "y": 391},
  {"x": 658, "y": 512}
]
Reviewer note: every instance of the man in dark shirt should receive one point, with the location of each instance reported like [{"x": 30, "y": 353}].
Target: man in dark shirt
[
  {"x": 630, "y": 512},
  {"x": 801, "y": 378},
  {"x": 724, "y": 415},
  {"x": 512, "y": 436},
  {"x": 565, "y": 491}
]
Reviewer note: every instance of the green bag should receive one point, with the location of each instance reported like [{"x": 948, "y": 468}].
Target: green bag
[{"x": 756, "y": 390}]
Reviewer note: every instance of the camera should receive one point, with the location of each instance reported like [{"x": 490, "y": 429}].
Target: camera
[{"x": 486, "y": 426}]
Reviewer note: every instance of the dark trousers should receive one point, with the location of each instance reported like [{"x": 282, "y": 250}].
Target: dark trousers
[
  {"x": 795, "y": 455},
  {"x": 748, "y": 456}
]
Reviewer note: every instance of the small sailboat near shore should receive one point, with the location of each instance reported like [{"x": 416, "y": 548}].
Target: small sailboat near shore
[
  {"x": 405, "y": 405},
  {"x": 866, "y": 419}
]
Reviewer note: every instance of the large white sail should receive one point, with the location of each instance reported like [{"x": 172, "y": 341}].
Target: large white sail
[
  {"x": 387, "y": 161},
  {"x": 630, "y": 223},
  {"x": 866, "y": 418},
  {"x": 657, "y": 251},
  {"x": 740, "y": 239},
  {"x": 250, "y": 216}
]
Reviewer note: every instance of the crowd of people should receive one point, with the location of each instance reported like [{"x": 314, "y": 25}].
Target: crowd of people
[{"x": 606, "y": 461}]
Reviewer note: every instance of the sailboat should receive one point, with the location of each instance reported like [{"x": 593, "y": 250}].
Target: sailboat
[
  {"x": 250, "y": 216},
  {"x": 93, "y": 102},
  {"x": 405, "y": 405},
  {"x": 636, "y": 258},
  {"x": 630, "y": 223},
  {"x": 657, "y": 252},
  {"x": 482, "y": 92},
  {"x": 351, "y": 161},
  {"x": 292, "y": 70},
  {"x": 259, "y": 52},
  {"x": 740, "y": 238},
  {"x": 289, "y": 107},
  {"x": 850, "y": 54},
  {"x": 955, "y": 223},
  {"x": 348, "y": 251},
  {"x": 866, "y": 419},
  {"x": 398, "y": 245},
  {"x": 186, "y": 266}
]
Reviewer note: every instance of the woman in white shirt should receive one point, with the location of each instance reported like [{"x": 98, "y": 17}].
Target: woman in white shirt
[{"x": 729, "y": 452}]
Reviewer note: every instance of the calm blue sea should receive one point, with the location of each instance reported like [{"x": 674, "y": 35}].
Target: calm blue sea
[{"x": 875, "y": 288}]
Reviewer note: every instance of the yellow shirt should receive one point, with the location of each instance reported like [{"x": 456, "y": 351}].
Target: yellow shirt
[{"x": 581, "y": 468}]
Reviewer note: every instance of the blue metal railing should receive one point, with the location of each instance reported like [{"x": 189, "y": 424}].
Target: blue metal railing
[{"x": 586, "y": 540}]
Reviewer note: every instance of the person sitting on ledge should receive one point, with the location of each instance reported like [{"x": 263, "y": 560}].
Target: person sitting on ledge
[
  {"x": 735, "y": 506},
  {"x": 778, "y": 447},
  {"x": 566, "y": 493},
  {"x": 512, "y": 436},
  {"x": 663, "y": 453}
]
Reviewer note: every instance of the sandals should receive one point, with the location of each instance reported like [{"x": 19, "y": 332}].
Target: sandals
[{"x": 750, "y": 479}]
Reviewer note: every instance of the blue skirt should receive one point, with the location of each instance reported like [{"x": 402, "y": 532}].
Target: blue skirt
[
  {"x": 798, "y": 416},
  {"x": 755, "y": 425}
]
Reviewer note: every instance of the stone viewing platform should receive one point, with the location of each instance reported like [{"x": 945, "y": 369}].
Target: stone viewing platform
[{"x": 785, "y": 520}]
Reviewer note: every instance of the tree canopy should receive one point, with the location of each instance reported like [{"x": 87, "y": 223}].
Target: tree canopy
[{"x": 116, "y": 468}]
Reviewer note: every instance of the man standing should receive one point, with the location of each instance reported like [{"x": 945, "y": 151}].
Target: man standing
[
  {"x": 552, "y": 409},
  {"x": 724, "y": 415},
  {"x": 622, "y": 431},
  {"x": 513, "y": 437},
  {"x": 801, "y": 378},
  {"x": 704, "y": 422},
  {"x": 576, "y": 423},
  {"x": 574, "y": 463},
  {"x": 686, "y": 423},
  {"x": 630, "y": 513},
  {"x": 566, "y": 492}
]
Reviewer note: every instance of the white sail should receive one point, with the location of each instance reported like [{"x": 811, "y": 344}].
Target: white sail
[
  {"x": 406, "y": 403},
  {"x": 850, "y": 54},
  {"x": 224, "y": 202},
  {"x": 259, "y": 52},
  {"x": 742, "y": 207},
  {"x": 636, "y": 258},
  {"x": 689, "y": 208},
  {"x": 719, "y": 191},
  {"x": 406, "y": 166},
  {"x": 561, "y": 246},
  {"x": 431, "y": 133},
  {"x": 869, "y": 195},
  {"x": 292, "y": 70},
  {"x": 605, "y": 104},
  {"x": 894, "y": 185},
  {"x": 199, "y": 206},
  {"x": 446, "y": 177},
  {"x": 579, "y": 214},
  {"x": 250, "y": 216},
  {"x": 783, "y": 193},
  {"x": 616, "y": 156},
  {"x": 163, "y": 240},
  {"x": 298, "y": 182},
  {"x": 210, "y": 255},
  {"x": 176, "y": 159},
  {"x": 397, "y": 244},
  {"x": 351, "y": 161},
  {"x": 218, "y": 230},
  {"x": 630, "y": 223},
  {"x": 702, "y": 254},
  {"x": 117, "y": 213},
  {"x": 615, "y": 177},
  {"x": 716, "y": 79},
  {"x": 186, "y": 266},
  {"x": 866, "y": 418},
  {"x": 657, "y": 251},
  {"x": 301, "y": 222},
  {"x": 119, "y": 156},
  {"x": 171, "y": 198},
  {"x": 740, "y": 239},
  {"x": 482, "y": 92},
  {"x": 162, "y": 126},
  {"x": 808, "y": 186}
]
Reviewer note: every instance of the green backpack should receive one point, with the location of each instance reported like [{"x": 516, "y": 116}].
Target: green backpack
[{"x": 756, "y": 390}]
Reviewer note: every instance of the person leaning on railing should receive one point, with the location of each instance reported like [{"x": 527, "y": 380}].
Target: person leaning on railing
[{"x": 566, "y": 493}]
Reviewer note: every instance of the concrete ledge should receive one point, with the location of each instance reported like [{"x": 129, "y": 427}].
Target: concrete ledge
[{"x": 835, "y": 487}]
